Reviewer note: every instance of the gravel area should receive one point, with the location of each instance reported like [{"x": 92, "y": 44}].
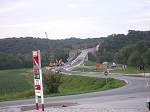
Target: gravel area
[{"x": 94, "y": 110}]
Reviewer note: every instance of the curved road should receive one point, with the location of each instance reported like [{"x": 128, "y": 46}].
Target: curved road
[
  {"x": 133, "y": 95},
  {"x": 76, "y": 62}
]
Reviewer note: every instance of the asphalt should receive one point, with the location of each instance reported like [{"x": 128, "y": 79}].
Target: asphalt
[
  {"x": 133, "y": 96},
  {"x": 130, "y": 98}
]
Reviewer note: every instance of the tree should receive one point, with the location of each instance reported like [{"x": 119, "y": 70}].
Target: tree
[
  {"x": 140, "y": 47},
  {"x": 131, "y": 54},
  {"x": 123, "y": 54},
  {"x": 61, "y": 54},
  {"x": 52, "y": 81},
  {"x": 92, "y": 57},
  {"x": 135, "y": 59},
  {"x": 146, "y": 57},
  {"x": 104, "y": 52}
]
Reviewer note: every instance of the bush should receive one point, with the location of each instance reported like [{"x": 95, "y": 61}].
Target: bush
[{"x": 52, "y": 81}]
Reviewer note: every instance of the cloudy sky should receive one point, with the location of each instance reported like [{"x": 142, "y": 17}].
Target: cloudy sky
[{"x": 72, "y": 18}]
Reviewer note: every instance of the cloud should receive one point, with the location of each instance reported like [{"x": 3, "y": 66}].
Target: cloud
[
  {"x": 140, "y": 17},
  {"x": 76, "y": 17},
  {"x": 139, "y": 20},
  {"x": 71, "y": 5},
  {"x": 147, "y": 1},
  {"x": 13, "y": 6}
]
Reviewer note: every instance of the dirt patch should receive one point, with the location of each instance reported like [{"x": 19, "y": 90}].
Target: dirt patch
[{"x": 54, "y": 105}]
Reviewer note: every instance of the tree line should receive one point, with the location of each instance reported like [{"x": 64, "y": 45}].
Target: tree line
[
  {"x": 131, "y": 49},
  {"x": 133, "y": 55},
  {"x": 17, "y": 52}
]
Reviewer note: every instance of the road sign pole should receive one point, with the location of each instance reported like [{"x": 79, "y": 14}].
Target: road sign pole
[
  {"x": 36, "y": 97},
  {"x": 145, "y": 78},
  {"x": 36, "y": 100},
  {"x": 38, "y": 78},
  {"x": 42, "y": 98},
  {"x": 106, "y": 74}
]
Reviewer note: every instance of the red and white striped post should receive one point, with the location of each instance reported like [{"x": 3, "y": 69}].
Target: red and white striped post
[
  {"x": 38, "y": 84},
  {"x": 36, "y": 101}
]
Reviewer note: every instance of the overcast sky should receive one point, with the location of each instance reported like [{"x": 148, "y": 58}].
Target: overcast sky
[{"x": 72, "y": 18}]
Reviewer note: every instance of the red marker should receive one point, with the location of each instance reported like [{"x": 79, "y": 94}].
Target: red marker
[{"x": 37, "y": 87}]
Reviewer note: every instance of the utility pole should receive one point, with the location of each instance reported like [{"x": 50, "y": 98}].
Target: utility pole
[{"x": 46, "y": 34}]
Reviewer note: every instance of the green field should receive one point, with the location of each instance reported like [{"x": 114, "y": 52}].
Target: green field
[{"x": 17, "y": 84}]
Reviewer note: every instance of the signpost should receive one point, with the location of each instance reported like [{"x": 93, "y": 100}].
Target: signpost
[
  {"x": 141, "y": 67},
  {"x": 106, "y": 74},
  {"x": 38, "y": 85}
]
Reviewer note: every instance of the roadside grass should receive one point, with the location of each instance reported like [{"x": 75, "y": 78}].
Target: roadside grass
[
  {"x": 89, "y": 66},
  {"x": 83, "y": 84},
  {"x": 89, "y": 63},
  {"x": 130, "y": 70},
  {"x": 18, "y": 95},
  {"x": 84, "y": 68},
  {"x": 16, "y": 84}
]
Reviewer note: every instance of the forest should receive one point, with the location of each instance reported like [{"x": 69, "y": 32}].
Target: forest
[{"x": 131, "y": 49}]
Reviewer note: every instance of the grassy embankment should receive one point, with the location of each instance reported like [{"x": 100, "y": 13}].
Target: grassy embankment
[
  {"x": 17, "y": 84},
  {"x": 130, "y": 70},
  {"x": 82, "y": 84},
  {"x": 88, "y": 66}
]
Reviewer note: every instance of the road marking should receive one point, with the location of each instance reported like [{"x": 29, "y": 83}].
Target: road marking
[
  {"x": 147, "y": 84},
  {"x": 126, "y": 81}
]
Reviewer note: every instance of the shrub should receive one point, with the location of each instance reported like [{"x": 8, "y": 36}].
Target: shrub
[{"x": 52, "y": 81}]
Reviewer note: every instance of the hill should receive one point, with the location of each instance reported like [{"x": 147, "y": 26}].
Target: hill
[
  {"x": 131, "y": 49},
  {"x": 16, "y": 52},
  {"x": 28, "y": 44}
]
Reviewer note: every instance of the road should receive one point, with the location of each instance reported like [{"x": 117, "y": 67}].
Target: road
[
  {"x": 132, "y": 96},
  {"x": 76, "y": 62}
]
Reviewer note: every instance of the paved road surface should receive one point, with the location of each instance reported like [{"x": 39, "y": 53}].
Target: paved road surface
[{"x": 130, "y": 98}]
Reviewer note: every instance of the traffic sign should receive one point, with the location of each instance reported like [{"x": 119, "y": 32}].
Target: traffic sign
[
  {"x": 37, "y": 87},
  {"x": 141, "y": 67},
  {"x": 106, "y": 73},
  {"x": 35, "y": 58},
  {"x": 37, "y": 81},
  {"x": 36, "y": 71},
  {"x": 97, "y": 66},
  {"x": 37, "y": 76}
]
